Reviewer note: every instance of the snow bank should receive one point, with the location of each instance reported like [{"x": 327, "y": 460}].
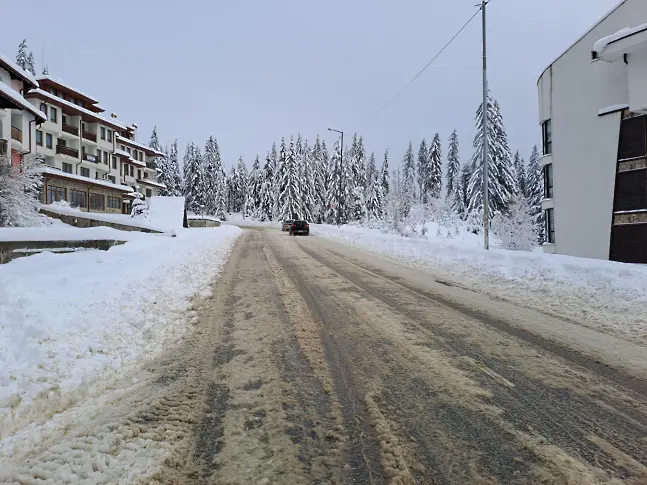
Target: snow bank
[
  {"x": 64, "y": 232},
  {"x": 166, "y": 212},
  {"x": 602, "y": 294},
  {"x": 237, "y": 219},
  {"x": 71, "y": 320}
]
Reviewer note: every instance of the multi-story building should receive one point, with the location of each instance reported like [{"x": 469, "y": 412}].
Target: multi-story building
[
  {"x": 593, "y": 114},
  {"x": 18, "y": 117},
  {"x": 92, "y": 160}
]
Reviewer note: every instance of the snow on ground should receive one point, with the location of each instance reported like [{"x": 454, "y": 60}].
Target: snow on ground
[
  {"x": 237, "y": 219},
  {"x": 65, "y": 232},
  {"x": 601, "y": 294},
  {"x": 70, "y": 322}
]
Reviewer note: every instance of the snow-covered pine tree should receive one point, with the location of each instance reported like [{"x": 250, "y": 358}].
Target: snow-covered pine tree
[
  {"x": 308, "y": 194},
  {"x": 22, "y": 56},
  {"x": 266, "y": 209},
  {"x": 31, "y": 64},
  {"x": 453, "y": 168},
  {"x": 319, "y": 181},
  {"x": 290, "y": 199},
  {"x": 501, "y": 178},
  {"x": 434, "y": 183},
  {"x": 357, "y": 180},
  {"x": 213, "y": 183},
  {"x": 154, "y": 143},
  {"x": 161, "y": 165},
  {"x": 232, "y": 194},
  {"x": 194, "y": 187},
  {"x": 241, "y": 182},
  {"x": 535, "y": 192},
  {"x": 45, "y": 71},
  {"x": 370, "y": 170},
  {"x": 254, "y": 186},
  {"x": 466, "y": 175},
  {"x": 140, "y": 208},
  {"x": 458, "y": 196},
  {"x": 19, "y": 189},
  {"x": 408, "y": 184},
  {"x": 423, "y": 166},
  {"x": 385, "y": 173},
  {"x": 338, "y": 189},
  {"x": 174, "y": 171},
  {"x": 279, "y": 176},
  {"x": 520, "y": 173},
  {"x": 375, "y": 198}
]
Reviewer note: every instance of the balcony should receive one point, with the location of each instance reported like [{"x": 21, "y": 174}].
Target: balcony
[
  {"x": 88, "y": 135},
  {"x": 3, "y": 146},
  {"x": 16, "y": 134},
  {"x": 72, "y": 130},
  {"x": 89, "y": 157},
  {"x": 70, "y": 152}
]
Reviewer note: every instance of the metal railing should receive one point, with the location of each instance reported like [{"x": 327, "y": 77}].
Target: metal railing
[
  {"x": 64, "y": 150},
  {"x": 71, "y": 129},
  {"x": 89, "y": 157},
  {"x": 88, "y": 135},
  {"x": 16, "y": 134}
]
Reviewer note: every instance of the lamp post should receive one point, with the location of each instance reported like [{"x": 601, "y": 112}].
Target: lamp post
[
  {"x": 341, "y": 160},
  {"x": 486, "y": 192}
]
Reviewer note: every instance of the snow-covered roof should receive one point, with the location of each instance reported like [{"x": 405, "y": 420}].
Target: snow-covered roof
[
  {"x": 626, "y": 41},
  {"x": 141, "y": 146},
  {"x": 125, "y": 154},
  {"x": 17, "y": 98},
  {"x": 153, "y": 183},
  {"x": 44, "y": 94},
  {"x": 55, "y": 80},
  {"x": 602, "y": 43},
  {"x": 71, "y": 176},
  {"x": 17, "y": 70},
  {"x": 612, "y": 109}
]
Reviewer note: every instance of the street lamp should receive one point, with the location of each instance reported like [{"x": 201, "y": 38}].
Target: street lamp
[{"x": 341, "y": 156}]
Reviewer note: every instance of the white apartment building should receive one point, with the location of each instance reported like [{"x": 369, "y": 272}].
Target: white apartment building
[
  {"x": 18, "y": 117},
  {"x": 593, "y": 114}
]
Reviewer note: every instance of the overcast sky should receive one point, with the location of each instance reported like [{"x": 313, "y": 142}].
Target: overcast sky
[{"x": 252, "y": 71}]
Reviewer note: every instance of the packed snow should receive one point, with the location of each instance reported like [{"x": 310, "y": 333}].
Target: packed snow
[
  {"x": 602, "y": 43},
  {"x": 64, "y": 232},
  {"x": 71, "y": 322},
  {"x": 602, "y": 294}
]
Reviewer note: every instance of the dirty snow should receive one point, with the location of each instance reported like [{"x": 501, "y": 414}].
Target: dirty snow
[
  {"x": 71, "y": 322},
  {"x": 601, "y": 294}
]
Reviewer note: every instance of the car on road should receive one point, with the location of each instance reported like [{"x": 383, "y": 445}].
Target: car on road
[
  {"x": 299, "y": 227},
  {"x": 286, "y": 225}
]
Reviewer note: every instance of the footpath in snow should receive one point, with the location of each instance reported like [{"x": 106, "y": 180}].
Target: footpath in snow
[
  {"x": 601, "y": 294},
  {"x": 71, "y": 322}
]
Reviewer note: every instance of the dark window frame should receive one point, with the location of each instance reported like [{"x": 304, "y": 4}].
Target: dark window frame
[
  {"x": 49, "y": 141},
  {"x": 102, "y": 132},
  {"x": 549, "y": 215},
  {"x": 113, "y": 202},
  {"x": 39, "y": 138},
  {"x": 55, "y": 193},
  {"x": 43, "y": 108},
  {"x": 547, "y": 137},
  {"x": 53, "y": 114},
  {"x": 549, "y": 182},
  {"x": 80, "y": 197},
  {"x": 149, "y": 193},
  {"x": 67, "y": 166},
  {"x": 97, "y": 201},
  {"x": 85, "y": 170}
]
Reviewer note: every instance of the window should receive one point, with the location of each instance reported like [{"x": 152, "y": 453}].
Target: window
[
  {"x": 54, "y": 194},
  {"x": 105, "y": 158},
  {"x": 114, "y": 162},
  {"x": 67, "y": 167},
  {"x": 78, "y": 198},
  {"x": 139, "y": 174},
  {"x": 109, "y": 135},
  {"x": 550, "y": 225},
  {"x": 85, "y": 172},
  {"x": 103, "y": 133},
  {"x": 547, "y": 137},
  {"x": 43, "y": 108},
  {"x": 49, "y": 140},
  {"x": 39, "y": 138},
  {"x": 149, "y": 193},
  {"x": 97, "y": 201},
  {"x": 548, "y": 181},
  {"x": 128, "y": 149},
  {"x": 52, "y": 91},
  {"x": 112, "y": 178},
  {"x": 141, "y": 157},
  {"x": 123, "y": 148},
  {"x": 145, "y": 175},
  {"x": 633, "y": 138},
  {"x": 53, "y": 114},
  {"x": 114, "y": 202}
]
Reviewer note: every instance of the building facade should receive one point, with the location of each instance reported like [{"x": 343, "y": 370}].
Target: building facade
[
  {"x": 18, "y": 117},
  {"x": 592, "y": 111}
]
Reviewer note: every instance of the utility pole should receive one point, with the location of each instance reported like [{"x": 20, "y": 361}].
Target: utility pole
[{"x": 486, "y": 202}]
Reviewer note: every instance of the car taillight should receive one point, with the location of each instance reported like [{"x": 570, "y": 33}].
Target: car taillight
[
  {"x": 307, "y": 226},
  {"x": 294, "y": 225}
]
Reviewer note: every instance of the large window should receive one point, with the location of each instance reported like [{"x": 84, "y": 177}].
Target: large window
[
  {"x": 109, "y": 135},
  {"x": 103, "y": 133},
  {"x": 105, "y": 158},
  {"x": 548, "y": 181},
  {"x": 85, "y": 172},
  {"x": 550, "y": 225},
  {"x": 149, "y": 193},
  {"x": 547, "y": 137},
  {"x": 53, "y": 114},
  {"x": 43, "y": 108},
  {"x": 67, "y": 167},
  {"x": 39, "y": 138},
  {"x": 114, "y": 162},
  {"x": 139, "y": 174},
  {"x": 633, "y": 138},
  {"x": 78, "y": 198},
  {"x": 132, "y": 171},
  {"x": 54, "y": 194},
  {"x": 114, "y": 202},
  {"x": 97, "y": 201},
  {"x": 49, "y": 141}
]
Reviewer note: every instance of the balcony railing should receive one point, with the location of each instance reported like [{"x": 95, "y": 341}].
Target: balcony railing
[
  {"x": 89, "y": 157},
  {"x": 16, "y": 134},
  {"x": 64, "y": 150},
  {"x": 72, "y": 130},
  {"x": 88, "y": 135},
  {"x": 3, "y": 146}
]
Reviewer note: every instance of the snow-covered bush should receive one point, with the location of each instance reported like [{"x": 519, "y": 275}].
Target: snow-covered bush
[
  {"x": 140, "y": 208},
  {"x": 19, "y": 189},
  {"x": 517, "y": 230}
]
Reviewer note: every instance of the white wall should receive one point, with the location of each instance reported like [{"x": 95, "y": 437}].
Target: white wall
[{"x": 585, "y": 145}]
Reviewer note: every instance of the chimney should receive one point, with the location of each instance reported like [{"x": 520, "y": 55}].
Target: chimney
[{"x": 113, "y": 115}]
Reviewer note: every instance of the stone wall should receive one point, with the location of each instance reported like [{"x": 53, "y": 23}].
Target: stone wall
[
  {"x": 203, "y": 223},
  {"x": 631, "y": 218},
  {"x": 10, "y": 250},
  {"x": 80, "y": 221}
]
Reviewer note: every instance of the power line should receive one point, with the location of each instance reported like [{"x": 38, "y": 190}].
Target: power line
[{"x": 424, "y": 68}]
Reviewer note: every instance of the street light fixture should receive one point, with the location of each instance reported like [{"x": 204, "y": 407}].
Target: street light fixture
[{"x": 341, "y": 156}]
